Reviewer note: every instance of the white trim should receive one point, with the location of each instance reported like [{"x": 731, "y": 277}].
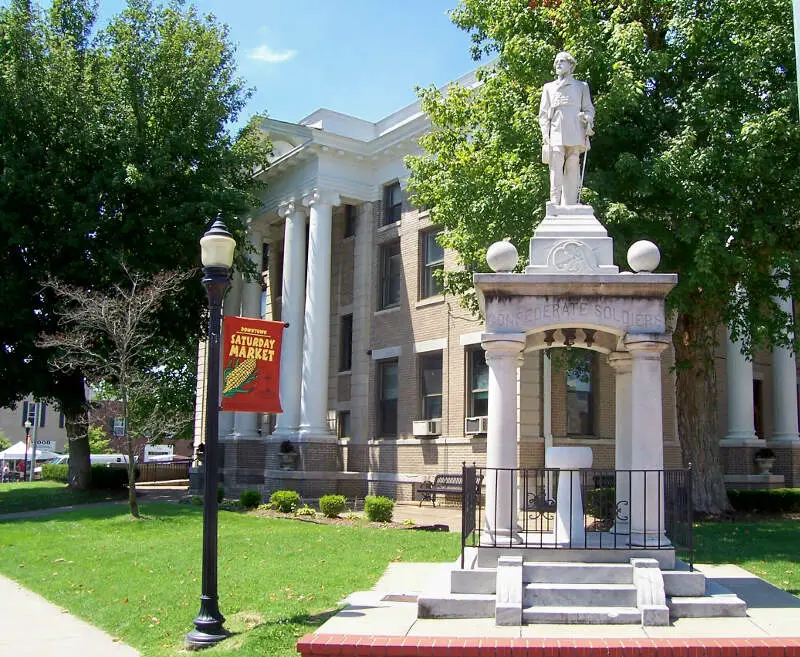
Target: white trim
[
  {"x": 387, "y": 352},
  {"x": 438, "y": 344},
  {"x": 412, "y": 442},
  {"x": 467, "y": 339}
]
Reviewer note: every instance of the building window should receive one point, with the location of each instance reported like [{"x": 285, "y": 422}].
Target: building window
[
  {"x": 580, "y": 395},
  {"x": 478, "y": 377},
  {"x": 430, "y": 379},
  {"x": 343, "y": 424},
  {"x": 392, "y": 203},
  {"x": 29, "y": 413},
  {"x": 264, "y": 258},
  {"x": 279, "y": 270},
  {"x": 432, "y": 261},
  {"x": 387, "y": 410},
  {"x": 346, "y": 343},
  {"x": 350, "y": 215},
  {"x": 390, "y": 275},
  {"x": 118, "y": 426}
]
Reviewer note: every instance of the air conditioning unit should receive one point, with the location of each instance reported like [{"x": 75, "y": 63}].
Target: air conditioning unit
[
  {"x": 427, "y": 427},
  {"x": 475, "y": 425}
]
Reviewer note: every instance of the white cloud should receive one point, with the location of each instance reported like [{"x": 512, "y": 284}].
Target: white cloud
[{"x": 265, "y": 54}]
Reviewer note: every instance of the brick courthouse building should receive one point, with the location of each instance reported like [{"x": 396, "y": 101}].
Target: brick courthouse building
[{"x": 384, "y": 383}]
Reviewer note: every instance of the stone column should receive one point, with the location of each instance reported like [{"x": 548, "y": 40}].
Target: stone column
[
  {"x": 231, "y": 307},
  {"x": 316, "y": 330},
  {"x": 647, "y": 445},
  {"x": 739, "y": 382},
  {"x": 503, "y": 357},
  {"x": 784, "y": 387},
  {"x": 623, "y": 442},
  {"x": 293, "y": 294},
  {"x": 246, "y": 424}
]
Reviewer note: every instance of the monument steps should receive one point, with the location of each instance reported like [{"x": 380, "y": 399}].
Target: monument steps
[
  {"x": 552, "y": 594},
  {"x": 582, "y": 615},
  {"x": 577, "y": 573}
]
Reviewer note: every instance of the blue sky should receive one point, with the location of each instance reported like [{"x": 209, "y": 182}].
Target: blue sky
[{"x": 360, "y": 57}]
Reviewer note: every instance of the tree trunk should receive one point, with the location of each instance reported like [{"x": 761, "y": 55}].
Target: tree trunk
[
  {"x": 76, "y": 422},
  {"x": 132, "y": 503},
  {"x": 696, "y": 399}
]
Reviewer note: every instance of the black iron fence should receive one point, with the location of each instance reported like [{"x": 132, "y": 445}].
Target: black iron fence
[{"x": 578, "y": 509}]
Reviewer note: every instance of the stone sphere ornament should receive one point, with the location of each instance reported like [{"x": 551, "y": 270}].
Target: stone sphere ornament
[
  {"x": 502, "y": 256},
  {"x": 643, "y": 256}
]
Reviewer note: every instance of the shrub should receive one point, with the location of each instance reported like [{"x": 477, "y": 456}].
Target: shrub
[
  {"x": 196, "y": 500},
  {"x": 378, "y": 508},
  {"x": 250, "y": 499},
  {"x": 220, "y": 494},
  {"x": 306, "y": 510},
  {"x": 601, "y": 503},
  {"x": 285, "y": 501},
  {"x": 55, "y": 472},
  {"x": 265, "y": 507},
  {"x": 107, "y": 478},
  {"x": 775, "y": 501},
  {"x": 332, "y": 505}
]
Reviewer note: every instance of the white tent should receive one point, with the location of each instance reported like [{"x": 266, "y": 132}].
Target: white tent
[{"x": 17, "y": 453}]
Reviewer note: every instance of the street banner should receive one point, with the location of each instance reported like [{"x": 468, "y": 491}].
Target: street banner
[{"x": 251, "y": 357}]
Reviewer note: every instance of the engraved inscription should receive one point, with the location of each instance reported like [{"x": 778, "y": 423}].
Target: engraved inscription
[{"x": 642, "y": 315}]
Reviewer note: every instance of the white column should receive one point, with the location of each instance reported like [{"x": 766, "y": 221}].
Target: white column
[
  {"x": 503, "y": 357},
  {"x": 739, "y": 382},
  {"x": 784, "y": 387},
  {"x": 293, "y": 294},
  {"x": 316, "y": 330},
  {"x": 246, "y": 424},
  {"x": 647, "y": 445},
  {"x": 231, "y": 307},
  {"x": 623, "y": 441}
]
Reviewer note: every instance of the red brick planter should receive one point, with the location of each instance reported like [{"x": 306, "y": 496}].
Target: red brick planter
[{"x": 344, "y": 645}]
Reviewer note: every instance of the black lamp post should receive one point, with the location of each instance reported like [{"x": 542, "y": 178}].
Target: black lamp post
[
  {"x": 28, "y": 426},
  {"x": 217, "y": 247}
]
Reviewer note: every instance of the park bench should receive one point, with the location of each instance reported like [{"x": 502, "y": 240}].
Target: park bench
[{"x": 444, "y": 484}]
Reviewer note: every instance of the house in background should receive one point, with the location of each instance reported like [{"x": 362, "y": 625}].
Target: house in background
[
  {"x": 47, "y": 423},
  {"x": 383, "y": 380}
]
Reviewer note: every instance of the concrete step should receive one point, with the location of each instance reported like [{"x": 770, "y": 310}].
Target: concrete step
[
  {"x": 456, "y": 605},
  {"x": 550, "y": 594},
  {"x": 582, "y": 615},
  {"x": 577, "y": 573},
  {"x": 684, "y": 583},
  {"x": 712, "y": 606},
  {"x": 477, "y": 580}
]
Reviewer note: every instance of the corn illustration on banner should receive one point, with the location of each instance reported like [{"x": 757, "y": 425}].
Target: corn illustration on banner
[{"x": 251, "y": 358}]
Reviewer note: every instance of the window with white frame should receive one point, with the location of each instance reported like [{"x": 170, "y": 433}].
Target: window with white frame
[
  {"x": 580, "y": 394},
  {"x": 391, "y": 267},
  {"x": 387, "y": 397},
  {"x": 478, "y": 382},
  {"x": 392, "y": 203},
  {"x": 432, "y": 261},
  {"x": 430, "y": 385},
  {"x": 118, "y": 426}
]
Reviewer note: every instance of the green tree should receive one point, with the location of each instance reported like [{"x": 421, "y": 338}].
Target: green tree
[
  {"x": 98, "y": 440},
  {"x": 695, "y": 149},
  {"x": 113, "y": 147},
  {"x": 5, "y": 443}
]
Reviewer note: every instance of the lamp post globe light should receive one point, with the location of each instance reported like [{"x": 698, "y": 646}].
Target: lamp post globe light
[
  {"x": 28, "y": 426},
  {"x": 217, "y": 247}
]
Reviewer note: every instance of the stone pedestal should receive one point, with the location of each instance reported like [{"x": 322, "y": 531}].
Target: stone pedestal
[
  {"x": 570, "y": 240},
  {"x": 570, "y": 528}
]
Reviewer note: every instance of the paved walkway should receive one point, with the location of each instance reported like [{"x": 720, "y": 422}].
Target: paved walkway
[{"x": 30, "y": 626}]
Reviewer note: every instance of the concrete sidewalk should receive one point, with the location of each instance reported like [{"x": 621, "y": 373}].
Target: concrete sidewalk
[{"x": 30, "y": 626}]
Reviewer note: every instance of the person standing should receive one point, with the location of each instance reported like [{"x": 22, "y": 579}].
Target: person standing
[{"x": 566, "y": 117}]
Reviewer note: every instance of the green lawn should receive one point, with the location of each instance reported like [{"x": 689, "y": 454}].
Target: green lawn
[
  {"x": 767, "y": 548},
  {"x": 140, "y": 580},
  {"x": 30, "y": 496}
]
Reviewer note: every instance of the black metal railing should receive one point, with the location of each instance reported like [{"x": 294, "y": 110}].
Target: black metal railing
[{"x": 599, "y": 509}]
